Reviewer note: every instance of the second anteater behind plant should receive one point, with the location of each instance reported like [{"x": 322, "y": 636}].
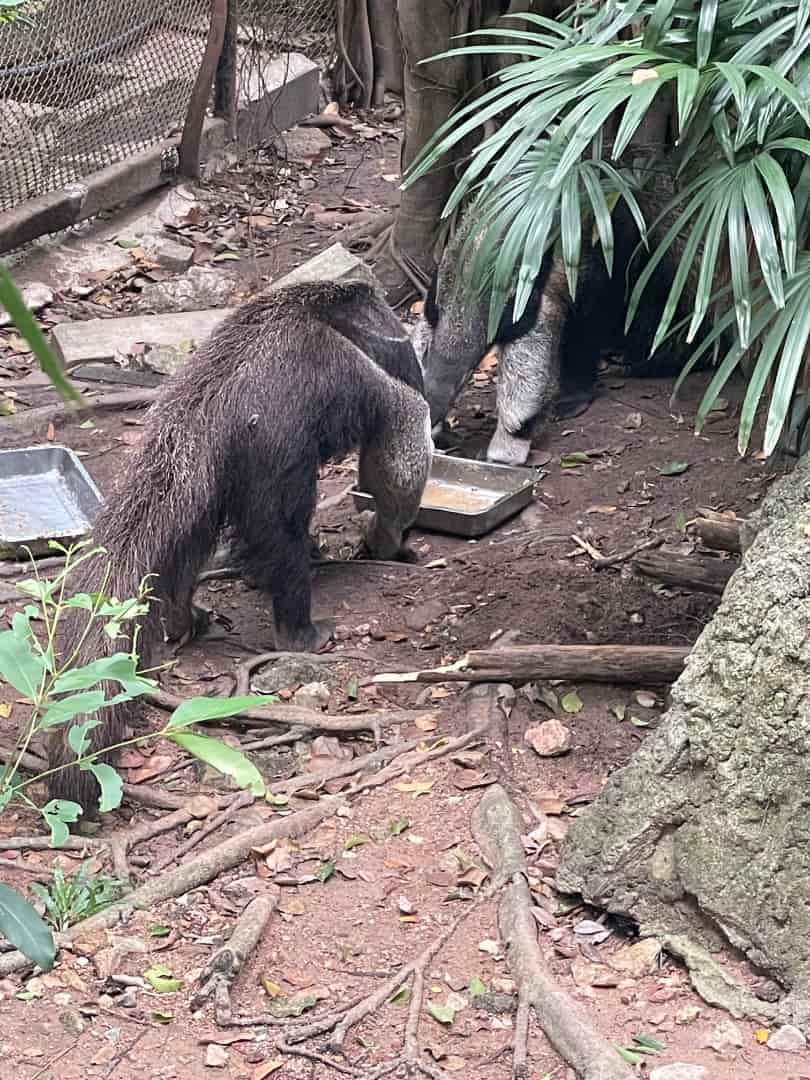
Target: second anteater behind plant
[{"x": 299, "y": 376}]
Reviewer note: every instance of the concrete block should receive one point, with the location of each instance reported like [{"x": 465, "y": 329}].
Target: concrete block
[
  {"x": 333, "y": 264},
  {"x": 110, "y": 339},
  {"x": 274, "y": 96}
]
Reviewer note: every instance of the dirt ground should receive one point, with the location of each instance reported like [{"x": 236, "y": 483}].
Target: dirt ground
[{"x": 400, "y": 853}]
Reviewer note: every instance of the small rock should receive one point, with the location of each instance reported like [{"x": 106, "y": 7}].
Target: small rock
[
  {"x": 199, "y": 288},
  {"x": 36, "y": 296},
  {"x": 289, "y": 671},
  {"x": 216, "y": 1057},
  {"x": 687, "y": 1015},
  {"x": 549, "y": 739},
  {"x": 725, "y": 1036},
  {"x": 679, "y": 1071},
  {"x": 244, "y": 888},
  {"x": 129, "y": 998},
  {"x": 168, "y": 253},
  {"x": 303, "y": 145},
  {"x": 663, "y": 994},
  {"x": 639, "y": 959},
  {"x": 587, "y": 973},
  {"x": 422, "y": 615},
  {"x": 788, "y": 1039},
  {"x": 312, "y": 695},
  {"x": 72, "y": 1022}
]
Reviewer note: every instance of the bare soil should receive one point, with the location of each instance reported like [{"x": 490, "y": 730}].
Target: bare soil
[{"x": 394, "y": 892}]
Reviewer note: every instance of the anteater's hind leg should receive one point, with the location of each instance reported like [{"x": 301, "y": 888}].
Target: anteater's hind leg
[{"x": 275, "y": 550}]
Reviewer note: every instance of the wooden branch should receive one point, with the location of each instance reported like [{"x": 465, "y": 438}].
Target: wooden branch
[
  {"x": 720, "y": 534},
  {"x": 44, "y": 414},
  {"x": 686, "y": 572},
  {"x": 651, "y": 664}
]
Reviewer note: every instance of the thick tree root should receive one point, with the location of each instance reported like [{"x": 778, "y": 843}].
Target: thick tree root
[
  {"x": 222, "y": 969},
  {"x": 497, "y": 828}
]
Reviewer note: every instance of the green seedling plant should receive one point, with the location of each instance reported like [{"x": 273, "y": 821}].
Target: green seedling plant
[
  {"x": 68, "y": 900},
  {"x": 63, "y": 692}
]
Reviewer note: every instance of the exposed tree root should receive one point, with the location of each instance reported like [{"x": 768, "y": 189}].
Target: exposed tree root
[
  {"x": 242, "y": 798},
  {"x": 124, "y": 840},
  {"x": 497, "y": 828},
  {"x": 222, "y": 969},
  {"x": 296, "y": 716},
  {"x": 364, "y": 234},
  {"x": 208, "y": 865}
]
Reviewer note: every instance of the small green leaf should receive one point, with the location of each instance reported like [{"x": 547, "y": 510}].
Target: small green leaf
[
  {"x": 441, "y": 1013},
  {"x": 19, "y": 666},
  {"x": 476, "y": 987},
  {"x": 277, "y": 800},
  {"x": 161, "y": 979},
  {"x": 352, "y": 688},
  {"x": 226, "y": 256},
  {"x": 401, "y": 997},
  {"x": 158, "y": 930},
  {"x": 636, "y": 721},
  {"x": 355, "y": 840},
  {"x": 22, "y": 927},
  {"x": 127, "y": 242},
  {"x": 571, "y": 702},
  {"x": 619, "y": 711},
  {"x": 197, "y": 710},
  {"x": 58, "y": 814},
  {"x": 325, "y": 871},
  {"x": 680, "y": 521},
  {"x": 162, "y": 1017},
  {"x": 398, "y": 826},
  {"x": 630, "y": 1056},
  {"x": 111, "y": 784},
  {"x": 223, "y": 758},
  {"x": 572, "y": 461},
  {"x": 60, "y": 712},
  {"x": 673, "y": 468},
  {"x": 649, "y": 1042},
  {"x": 415, "y": 787}
]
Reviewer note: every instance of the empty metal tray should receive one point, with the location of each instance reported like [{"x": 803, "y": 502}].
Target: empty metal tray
[
  {"x": 467, "y": 498},
  {"x": 45, "y": 494}
]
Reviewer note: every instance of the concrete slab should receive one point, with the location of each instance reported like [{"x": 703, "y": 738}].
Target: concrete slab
[{"x": 110, "y": 339}]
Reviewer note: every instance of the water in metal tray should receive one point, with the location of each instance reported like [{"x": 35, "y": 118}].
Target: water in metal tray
[
  {"x": 39, "y": 506},
  {"x": 467, "y": 498}
]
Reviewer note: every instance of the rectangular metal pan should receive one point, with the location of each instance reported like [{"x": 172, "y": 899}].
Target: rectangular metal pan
[
  {"x": 45, "y": 494},
  {"x": 467, "y": 498}
]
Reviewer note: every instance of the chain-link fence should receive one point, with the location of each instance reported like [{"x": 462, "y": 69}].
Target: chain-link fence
[{"x": 85, "y": 84}]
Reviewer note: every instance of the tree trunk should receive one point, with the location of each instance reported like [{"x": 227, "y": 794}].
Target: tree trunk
[
  {"x": 432, "y": 91},
  {"x": 703, "y": 837}
]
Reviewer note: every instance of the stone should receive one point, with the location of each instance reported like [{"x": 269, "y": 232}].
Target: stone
[
  {"x": 312, "y": 695},
  {"x": 679, "y": 1071},
  {"x": 216, "y": 1057},
  {"x": 72, "y": 1022},
  {"x": 303, "y": 145},
  {"x": 244, "y": 888},
  {"x": 167, "y": 253},
  {"x": 639, "y": 959},
  {"x": 114, "y": 339},
  {"x": 335, "y": 263},
  {"x": 723, "y": 1036},
  {"x": 687, "y": 1015},
  {"x": 788, "y": 1039},
  {"x": 199, "y": 288},
  {"x": 36, "y": 296},
  {"x": 422, "y": 615},
  {"x": 549, "y": 739},
  {"x": 292, "y": 670}
]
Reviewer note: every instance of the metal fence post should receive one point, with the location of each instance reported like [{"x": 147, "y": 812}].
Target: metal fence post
[{"x": 189, "y": 149}]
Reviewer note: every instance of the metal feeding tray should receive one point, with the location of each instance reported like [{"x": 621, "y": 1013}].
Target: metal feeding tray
[
  {"x": 467, "y": 498},
  {"x": 45, "y": 494}
]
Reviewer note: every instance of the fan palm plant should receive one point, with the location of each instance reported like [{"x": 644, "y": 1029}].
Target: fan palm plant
[{"x": 737, "y": 74}]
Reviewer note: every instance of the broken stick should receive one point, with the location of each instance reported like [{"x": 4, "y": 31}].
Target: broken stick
[
  {"x": 719, "y": 533},
  {"x": 497, "y": 827},
  {"x": 642, "y": 664},
  {"x": 686, "y": 572}
]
